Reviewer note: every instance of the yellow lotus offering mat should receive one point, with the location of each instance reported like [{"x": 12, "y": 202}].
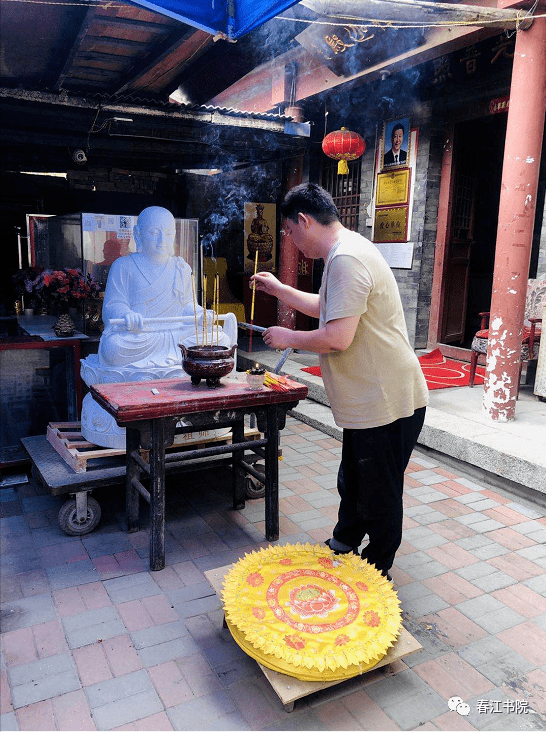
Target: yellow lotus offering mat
[{"x": 303, "y": 611}]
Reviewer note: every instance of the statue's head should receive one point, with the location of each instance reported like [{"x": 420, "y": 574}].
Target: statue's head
[{"x": 154, "y": 233}]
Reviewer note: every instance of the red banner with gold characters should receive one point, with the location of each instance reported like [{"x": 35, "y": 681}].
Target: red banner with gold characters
[{"x": 499, "y": 105}]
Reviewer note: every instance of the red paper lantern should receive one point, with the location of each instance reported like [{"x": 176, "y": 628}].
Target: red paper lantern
[{"x": 343, "y": 145}]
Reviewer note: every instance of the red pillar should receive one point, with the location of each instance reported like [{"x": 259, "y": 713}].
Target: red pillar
[
  {"x": 516, "y": 219},
  {"x": 288, "y": 267}
]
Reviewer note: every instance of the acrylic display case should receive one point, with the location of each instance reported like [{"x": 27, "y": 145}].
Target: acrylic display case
[{"x": 92, "y": 241}]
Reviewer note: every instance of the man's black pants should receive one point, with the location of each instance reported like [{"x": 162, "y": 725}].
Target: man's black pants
[{"x": 371, "y": 483}]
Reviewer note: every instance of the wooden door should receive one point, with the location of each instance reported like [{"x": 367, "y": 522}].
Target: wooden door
[{"x": 457, "y": 269}]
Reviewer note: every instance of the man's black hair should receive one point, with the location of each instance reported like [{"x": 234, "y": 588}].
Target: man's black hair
[
  {"x": 310, "y": 199},
  {"x": 397, "y": 126}
]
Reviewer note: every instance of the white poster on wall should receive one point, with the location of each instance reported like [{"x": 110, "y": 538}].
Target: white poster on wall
[{"x": 399, "y": 255}]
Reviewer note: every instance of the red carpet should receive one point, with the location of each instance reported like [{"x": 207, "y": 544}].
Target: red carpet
[
  {"x": 315, "y": 370},
  {"x": 440, "y": 372}
]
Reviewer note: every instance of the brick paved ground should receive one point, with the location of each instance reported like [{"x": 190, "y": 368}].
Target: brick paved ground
[{"x": 93, "y": 640}]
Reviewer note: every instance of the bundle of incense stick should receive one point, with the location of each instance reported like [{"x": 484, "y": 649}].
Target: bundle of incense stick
[
  {"x": 194, "y": 309},
  {"x": 276, "y": 382}
]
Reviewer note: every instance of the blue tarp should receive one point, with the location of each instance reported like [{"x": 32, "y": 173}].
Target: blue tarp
[{"x": 233, "y": 18}]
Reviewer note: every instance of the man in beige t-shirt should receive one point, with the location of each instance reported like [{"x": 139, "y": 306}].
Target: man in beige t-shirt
[{"x": 371, "y": 375}]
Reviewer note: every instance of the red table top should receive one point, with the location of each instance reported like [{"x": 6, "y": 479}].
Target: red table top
[{"x": 131, "y": 401}]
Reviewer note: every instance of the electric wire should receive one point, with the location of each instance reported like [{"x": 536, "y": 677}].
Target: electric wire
[{"x": 359, "y": 22}]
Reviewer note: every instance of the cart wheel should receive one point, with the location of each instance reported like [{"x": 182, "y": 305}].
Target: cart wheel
[
  {"x": 253, "y": 487},
  {"x": 70, "y": 524}
]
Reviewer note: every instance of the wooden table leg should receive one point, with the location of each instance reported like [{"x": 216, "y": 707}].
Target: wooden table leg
[
  {"x": 132, "y": 504},
  {"x": 157, "y": 495},
  {"x": 272, "y": 475},
  {"x": 238, "y": 474}
]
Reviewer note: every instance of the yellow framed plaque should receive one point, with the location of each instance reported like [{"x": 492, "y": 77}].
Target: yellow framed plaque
[
  {"x": 393, "y": 187},
  {"x": 391, "y": 224}
]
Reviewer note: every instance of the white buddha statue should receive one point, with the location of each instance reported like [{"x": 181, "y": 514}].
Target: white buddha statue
[{"x": 148, "y": 311}]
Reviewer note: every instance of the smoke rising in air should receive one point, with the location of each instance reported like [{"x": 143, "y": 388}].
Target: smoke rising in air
[{"x": 222, "y": 203}]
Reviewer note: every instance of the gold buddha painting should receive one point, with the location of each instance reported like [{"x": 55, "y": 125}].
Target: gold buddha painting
[{"x": 260, "y": 236}]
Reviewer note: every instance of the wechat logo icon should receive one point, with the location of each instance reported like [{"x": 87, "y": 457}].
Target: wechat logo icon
[{"x": 456, "y": 704}]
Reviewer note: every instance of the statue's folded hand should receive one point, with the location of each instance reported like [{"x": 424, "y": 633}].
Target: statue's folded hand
[{"x": 134, "y": 321}]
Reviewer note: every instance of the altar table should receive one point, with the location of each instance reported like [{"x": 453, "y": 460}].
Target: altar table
[{"x": 154, "y": 411}]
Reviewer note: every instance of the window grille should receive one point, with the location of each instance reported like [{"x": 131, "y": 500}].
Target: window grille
[
  {"x": 344, "y": 189},
  {"x": 464, "y": 199}
]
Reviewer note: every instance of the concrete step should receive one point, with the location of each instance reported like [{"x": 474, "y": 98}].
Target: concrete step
[
  {"x": 318, "y": 416},
  {"x": 455, "y": 425}
]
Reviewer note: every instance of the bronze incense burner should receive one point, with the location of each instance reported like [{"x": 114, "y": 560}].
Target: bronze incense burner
[{"x": 207, "y": 362}]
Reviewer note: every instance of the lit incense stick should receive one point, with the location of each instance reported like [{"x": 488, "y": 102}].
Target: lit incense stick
[
  {"x": 254, "y": 287},
  {"x": 253, "y": 298},
  {"x": 194, "y": 309},
  {"x": 217, "y": 309},
  {"x": 214, "y": 312},
  {"x": 205, "y": 335}
]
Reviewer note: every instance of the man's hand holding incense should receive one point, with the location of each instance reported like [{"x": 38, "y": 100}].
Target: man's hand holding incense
[
  {"x": 305, "y": 302},
  {"x": 277, "y": 337},
  {"x": 267, "y": 282}
]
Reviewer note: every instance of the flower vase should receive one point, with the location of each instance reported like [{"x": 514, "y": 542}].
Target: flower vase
[{"x": 64, "y": 326}]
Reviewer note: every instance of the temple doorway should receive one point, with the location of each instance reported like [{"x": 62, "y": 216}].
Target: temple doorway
[{"x": 468, "y": 276}]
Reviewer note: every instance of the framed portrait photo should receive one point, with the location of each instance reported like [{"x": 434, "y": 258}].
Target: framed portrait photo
[{"x": 396, "y": 143}]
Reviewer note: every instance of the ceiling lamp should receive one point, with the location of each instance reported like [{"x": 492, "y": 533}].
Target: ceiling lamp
[{"x": 343, "y": 145}]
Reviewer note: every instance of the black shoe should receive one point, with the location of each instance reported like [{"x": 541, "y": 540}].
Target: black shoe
[{"x": 354, "y": 550}]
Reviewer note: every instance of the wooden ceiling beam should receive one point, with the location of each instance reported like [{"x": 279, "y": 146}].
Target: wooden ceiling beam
[
  {"x": 89, "y": 17},
  {"x": 171, "y": 61},
  {"x": 415, "y": 11},
  {"x": 139, "y": 25},
  {"x": 106, "y": 57},
  {"x": 83, "y": 86},
  {"x": 117, "y": 42},
  {"x": 316, "y": 79},
  {"x": 93, "y": 70},
  {"x": 82, "y": 64},
  {"x": 91, "y": 75}
]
